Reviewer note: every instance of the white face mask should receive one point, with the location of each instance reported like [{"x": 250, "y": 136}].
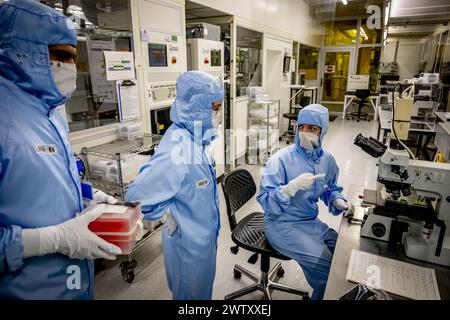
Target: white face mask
[
  {"x": 308, "y": 140},
  {"x": 216, "y": 118},
  {"x": 65, "y": 77}
]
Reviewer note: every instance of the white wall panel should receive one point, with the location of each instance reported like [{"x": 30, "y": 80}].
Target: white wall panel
[{"x": 288, "y": 18}]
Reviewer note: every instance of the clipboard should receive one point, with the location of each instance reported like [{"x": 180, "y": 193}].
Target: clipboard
[{"x": 128, "y": 98}]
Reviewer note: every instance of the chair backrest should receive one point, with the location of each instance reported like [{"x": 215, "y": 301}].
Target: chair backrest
[
  {"x": 238, "y": 187},
  {"x": 362, "y": 93}
]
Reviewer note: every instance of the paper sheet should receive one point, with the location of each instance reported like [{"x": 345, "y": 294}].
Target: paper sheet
[
  {"x": 128, "y": 100},
  {"x": 119, "y": 65},
  {"x": 101, "y": 88},
  {"x": 396, "y": 277}
]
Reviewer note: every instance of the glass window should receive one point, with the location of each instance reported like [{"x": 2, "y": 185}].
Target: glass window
[
  {"x": 308, "y": 61},
  {"x": 335, "y": 76},
  {"x": 339, "y": 33},
  {"x": 445, "y": 69},
  {"x": 368, "y": 60},
  {"x": 440, "y": 52},
  {"x": 94, "y": 103},
  {"x": 248, "y": 60},
  {"x": 369, "y": 36}
]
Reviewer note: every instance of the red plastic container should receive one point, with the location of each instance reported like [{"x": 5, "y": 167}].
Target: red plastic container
[
  {"x": 116, "y": 219},
  {"x": 125, "y": 240}
]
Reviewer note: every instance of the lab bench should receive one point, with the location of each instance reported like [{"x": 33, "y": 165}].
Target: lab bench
[
  {"x": 441, "y": 116},
  {"x": 349, "y": 239}
]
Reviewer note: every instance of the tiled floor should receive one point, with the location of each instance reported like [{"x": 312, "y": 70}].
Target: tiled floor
[{"x": 356, "y": 168}]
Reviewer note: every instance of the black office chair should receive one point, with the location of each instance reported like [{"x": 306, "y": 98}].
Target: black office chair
[
  {"x": 362, "y": 95},
  {"x": 238, "y": 187},
  {"x": 289, "y": 135}
]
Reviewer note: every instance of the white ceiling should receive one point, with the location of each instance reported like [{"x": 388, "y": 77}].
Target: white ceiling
[
  {"x": 413, "y": 31},
  {"x": 407, "y": 18},
  {"x": 419, "y": 12},
  {"x": 417, "y": 18},
  {"x": 328, "y": 10},
  {"x": 196, "y": 11}
]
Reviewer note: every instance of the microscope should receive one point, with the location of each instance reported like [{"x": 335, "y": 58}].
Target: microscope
[{"x": 412, "y": 200}]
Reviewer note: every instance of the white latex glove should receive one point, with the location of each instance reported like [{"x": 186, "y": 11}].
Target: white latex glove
[
  {"x": 341, "y": 204},
  {"x": 304, "y": 181},
  {"x": 71, "y": 238},
  {"x": 101, "y": 197}
]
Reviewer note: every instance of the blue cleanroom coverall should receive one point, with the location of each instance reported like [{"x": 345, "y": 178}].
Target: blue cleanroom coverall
[
  {"x": 291, "y": 225},
  {"x": 39, "y": 181},
  {"x": 180, "y": 180}
]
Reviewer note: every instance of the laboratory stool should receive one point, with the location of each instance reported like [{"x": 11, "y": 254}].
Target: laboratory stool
[
  {"x": 362, "y": 95},
  {"x": 238, "y": 187}
]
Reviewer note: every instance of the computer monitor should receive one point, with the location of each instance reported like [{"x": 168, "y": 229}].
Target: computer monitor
[{"x": 157, "y": 55}]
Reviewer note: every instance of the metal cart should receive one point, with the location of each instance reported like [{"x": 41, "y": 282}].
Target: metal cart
[
  {"x": 111, "y": 167},
  {"x": 263, "y": 124}
]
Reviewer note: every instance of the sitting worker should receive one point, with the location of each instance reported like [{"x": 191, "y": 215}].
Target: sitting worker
[
  {"x": 292, "y": 183},
  {"x": 179, "y": 182},
  {"x": 45, "y": 247}
]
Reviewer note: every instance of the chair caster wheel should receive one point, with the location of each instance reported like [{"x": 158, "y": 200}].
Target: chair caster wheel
[
  {"x": 357, "y": 120},
  {"x": 280, "y": 272},
  {"x": 237, "y": 274}
]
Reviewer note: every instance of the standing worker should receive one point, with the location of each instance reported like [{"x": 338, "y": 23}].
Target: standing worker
[
  {"x": 46, "y": 249},
  {"x": 179, "y": 181},
  {"x": 294, "y": 180}
]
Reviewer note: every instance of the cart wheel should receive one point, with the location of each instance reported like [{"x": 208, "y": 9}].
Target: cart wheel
[
  {"x": 237, "y": 274},
  {"x": 128, "y": 277},
  {"x": 280, "y": 272},
  {"x": 127, "y": 270}
]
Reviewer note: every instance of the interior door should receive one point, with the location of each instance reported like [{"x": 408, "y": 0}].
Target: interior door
[{"x": 336, "y": 67}]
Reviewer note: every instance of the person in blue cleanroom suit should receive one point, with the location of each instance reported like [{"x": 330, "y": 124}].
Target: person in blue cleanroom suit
[
  {"x": 45, "y": 249},
  {"x": 179, "y": 182},
  {"x": 292, "y": 183}
]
